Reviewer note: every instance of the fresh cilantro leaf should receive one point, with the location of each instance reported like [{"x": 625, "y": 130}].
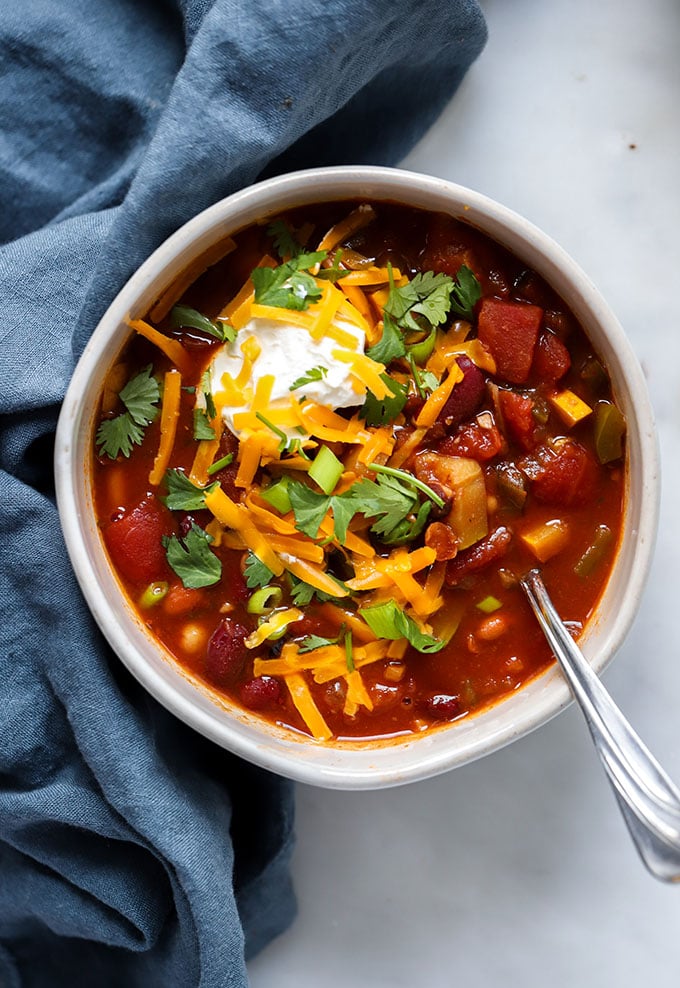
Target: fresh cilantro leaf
[
  {"x": 429, "y": 381},
  {"x": 343, "y": 511},
  {"x": 182, "y": 316},
  {"x": 380, "y": 411},
  {"x": 118, "y": 435},
  {"x": 206, "y": 390},
  {"x": 285, "y": 243},
  {"x": 335, "y": 272},
  {"x": 407, "y": 529},
  {"x": 182, "y": 494},
  {"x": 427, "y": 295},
  {"x": 466, "y": 292},
  {"x": 309, "y": 508},
  {"x": 202, "y": 426},
  {"x": 140, "y": 397},
  {"x": 313, "y": 374},
  {"x": 255, "y": 572},
  {"x": 192, "y": 559},
  {"x": 303, "y": 593},
  {"x": 289, "y": 286},
  {"x": 387, "y": 500},
  {"x": 389, "y": 621},
  {"x": 390, "y": 345},
  {"x": 312, "y": 642}
]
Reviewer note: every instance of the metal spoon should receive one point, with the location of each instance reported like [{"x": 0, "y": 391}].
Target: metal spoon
[{"x": 649, "y": 800}]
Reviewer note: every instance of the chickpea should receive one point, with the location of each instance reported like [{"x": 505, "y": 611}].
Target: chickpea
[{"x": 193, "y": 638}]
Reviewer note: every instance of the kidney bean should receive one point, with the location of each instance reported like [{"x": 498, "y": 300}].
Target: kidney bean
[
  {"x": 466, "y": 396},
  {"x": 260, "y": 693},
  {"x": 226, "y": 653},
  {"x": 471, "y": 560},
  {"x": 442, "y": 706}
]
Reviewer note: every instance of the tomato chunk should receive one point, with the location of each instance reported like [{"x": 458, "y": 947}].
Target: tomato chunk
[
  {"x": 510, "y": 331},
  {"x": 551, "y": 360},
  {"x": 518, "y": 415},
  {"x": 565, "y": 475},
  {"x": 135, "y": 542}
]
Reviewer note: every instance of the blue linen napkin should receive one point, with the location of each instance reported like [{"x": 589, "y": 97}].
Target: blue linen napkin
[{"x": 132, "y": 851}]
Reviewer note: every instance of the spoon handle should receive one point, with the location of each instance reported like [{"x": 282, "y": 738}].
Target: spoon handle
[{"x": 649, "y": 800}]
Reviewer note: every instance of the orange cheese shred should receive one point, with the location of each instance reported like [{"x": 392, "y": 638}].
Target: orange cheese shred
[
  {"x": 306, "y": 707},
  {"x": 352, "y": 223},
  {"x": 233, "y": 515},
  {"x": 172, "y": 384},
  {"x": 434, "y": 404},
  {"x": 172, "y": 349}
]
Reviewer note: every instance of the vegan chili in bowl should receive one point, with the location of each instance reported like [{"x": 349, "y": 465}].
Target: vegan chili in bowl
[{"x": 320, "y": 468}]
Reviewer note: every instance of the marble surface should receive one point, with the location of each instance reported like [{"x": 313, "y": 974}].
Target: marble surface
[{"x": 518, "y": 869}]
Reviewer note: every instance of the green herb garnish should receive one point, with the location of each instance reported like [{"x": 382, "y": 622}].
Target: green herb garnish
[
  {"x": 255, "y": 572},
  {"x": 380, "y": 411},
  {"x": 290, "y": 285},
  {"x": 389, "y": 621},
  {"x": 182, "y": 494},
  {"x": 466, "y": 292},
  {"x": 140, "y": 397},
  {"x": 192, "y": 559},
  {"x": 202, "y": 427},
  {"x": 182, "y": 316},
  {"x": 285, "y": 244},
  {"x": 309, "y": 377}
]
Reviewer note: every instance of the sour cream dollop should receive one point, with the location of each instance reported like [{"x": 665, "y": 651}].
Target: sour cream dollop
[{"x": 288, "y": 353}]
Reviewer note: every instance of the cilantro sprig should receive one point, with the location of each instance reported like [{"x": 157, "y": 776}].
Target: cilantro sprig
[
  {"x": 183, "y": 495},
  {"x": 183, "y": 316},
  {"x": 380, "y": 411},
  {"x": 392, "y": 501},
  {"x": 255, "y": 572},
  {"x": 290, "y": 285},
  {"x": 192, "y": 559},
  {"x": 285, "y": 244},
  {"x": 309, "y": 377},
  {"x": 423, "y": 304},
  {"x": 140, "y": 397}
]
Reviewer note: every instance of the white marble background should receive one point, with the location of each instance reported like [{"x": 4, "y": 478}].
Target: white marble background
[{"x": 517, "y": 870}]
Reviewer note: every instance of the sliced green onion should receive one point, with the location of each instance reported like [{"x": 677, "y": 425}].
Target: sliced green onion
[
  {"x": 326, "y": 469},
  {"x": 274, "y": 636},
  {"x": 595, "y": 553},
  {"x": 264, "y": 600},
  {"x": 153, "y": 594},
  {"x": 277, "y": 495},
  {"x": 349, "y": 658},
  {"x": 408, "y": 478},
  {"x": 220, "y": 464},
  {"x": 489, "y": 604},
  {"x": 270, "y": 425}
]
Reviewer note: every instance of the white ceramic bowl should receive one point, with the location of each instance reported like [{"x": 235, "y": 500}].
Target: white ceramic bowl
[{"x": 353, "y": 765}]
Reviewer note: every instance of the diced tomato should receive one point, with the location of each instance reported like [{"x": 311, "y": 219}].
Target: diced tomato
[
  {"x": 510, "y": 331},
  {"x": 135, "y": 541},
  {"x": 551, "y": 359},
  {"x": 473, "y": 441},
  {"x": 444, "y": 253},
  {"x": 517, "y": 412},
  {"x": 565, "y": 475}
]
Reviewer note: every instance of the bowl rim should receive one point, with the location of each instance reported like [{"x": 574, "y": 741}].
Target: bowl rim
[{"x": 346, "y": 765}]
